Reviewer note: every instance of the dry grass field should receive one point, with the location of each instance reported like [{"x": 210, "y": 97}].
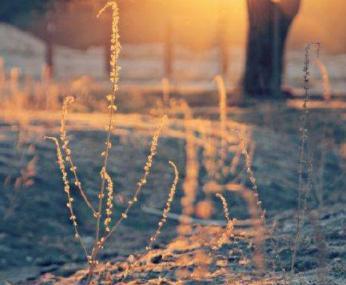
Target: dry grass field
[{"x": 169, "y": 181}]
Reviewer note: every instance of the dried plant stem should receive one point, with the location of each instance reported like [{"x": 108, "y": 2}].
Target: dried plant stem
[
  {"x": 106, "y": 184},
  {"x": 114, "y": 78},
  {"x": 250, "y": 173},
  {"x": 223, "y": 114},
  {"x": 304, "y": 160},
  {"x": 67, "y": 189},
  {"x": 109, "y": 203},
  {"x": 147, "y": 169},
  {"x": 68, "y": 153},
  {"x": 255, "y": 213},
  {"x": 192, "y": 171},
  {"x": 224, "y": 206},
  {"x": 229, "y": 227},
  {"x": 141, "y": 183},
  {"x": 209, "y": 149},
  {"x": 167, "y": 208}
]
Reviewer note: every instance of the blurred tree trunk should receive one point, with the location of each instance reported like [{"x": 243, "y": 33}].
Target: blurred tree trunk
[{"x": 269, "y": 24}]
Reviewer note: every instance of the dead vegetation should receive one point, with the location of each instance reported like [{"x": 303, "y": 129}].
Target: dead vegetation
[{"x": 229, "y": 251}]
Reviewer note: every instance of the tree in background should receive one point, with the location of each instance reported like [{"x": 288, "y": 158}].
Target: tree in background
[
  {"x": 269, "y": 24},
  {"x": 20, "y": 12}
]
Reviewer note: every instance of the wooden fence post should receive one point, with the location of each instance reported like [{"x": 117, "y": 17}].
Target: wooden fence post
[{"x": 168, "y": 50}]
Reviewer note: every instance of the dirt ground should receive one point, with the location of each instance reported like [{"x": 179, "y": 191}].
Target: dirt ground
[{"x": 36, "y": 238}]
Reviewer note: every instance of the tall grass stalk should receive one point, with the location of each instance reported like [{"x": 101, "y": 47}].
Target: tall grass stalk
[
  {"x": 64, "y": 155},
  {"x": 142, "y": 181},
  {"x": 255, "y": 212},
  {"x": 114, "y": 78},
  {"x": 304, "y": 168},
  {"x": 248, "y": 157},
  {"x": 209, "y": 148},
  {"x": 67, "y": 189},
  {"x": 167, "y": 208},
  {"x": 190, "y": 184},
  {"x": 228, "y": 232},
  {"x": 68, "y": 153},
  {"x": 223, "y": 113}
]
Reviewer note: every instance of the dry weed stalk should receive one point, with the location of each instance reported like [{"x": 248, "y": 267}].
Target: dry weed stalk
[
  {"x": 167, "y": 207},
  {"x": 251, "y": 196},
  {"x": 209, "y": 149},
  {"x": 109, "y": 203},
  {"x": 305, "y": 165},
  {"x": 224, "y": 206},
  {"x": 107, "y": 184},
  {"x": 255, "y": 213},
  {"x": 223, "y": 114},
  {"x": 68, "y": 153},
  {"x": 190, "y": 184},
  {"x": 25, "y": 170},
  {"x": 143, "y": 180},
  {"x": 163, "y": 220},
  {"x": 140, "y": 184},
  {"x": 235, "y": 161},
  {"x": 67, "y": 189},
  {"x": 248, "y": 157},
  {"x": 228, "y": 232},
  {"x": 114, "y": 78}
]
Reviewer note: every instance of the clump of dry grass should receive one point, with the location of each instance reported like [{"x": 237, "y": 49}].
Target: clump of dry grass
[
  {"x": 255, "y": 213},
  {"x": 200, "y": 134},
  {"x": 64, "y": 155},
  {"x": 23, "y": 172},
  {"x": 21, "y": 92}
]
